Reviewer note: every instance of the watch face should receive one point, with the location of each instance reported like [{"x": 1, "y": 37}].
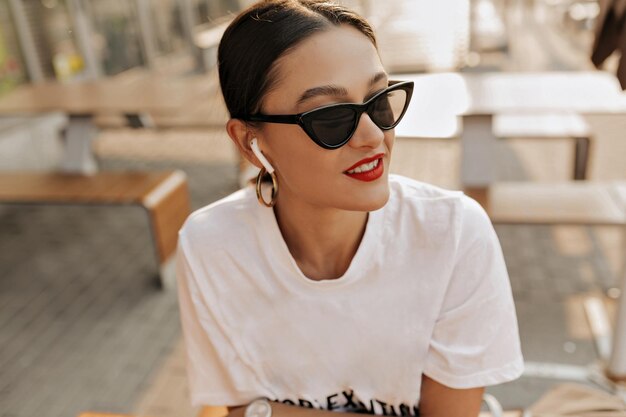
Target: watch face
[{"x": 258, "y": 408}]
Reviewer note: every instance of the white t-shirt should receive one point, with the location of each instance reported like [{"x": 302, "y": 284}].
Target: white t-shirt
[{"x": 426, "y": 293}]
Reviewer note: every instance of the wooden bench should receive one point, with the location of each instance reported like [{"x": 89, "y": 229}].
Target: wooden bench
[
  {"x": 509, "y": 125},
  {"x": 549, "y": 126},
  {"x": 164, "y": 195},
  {"x": 574, "y": 203}
]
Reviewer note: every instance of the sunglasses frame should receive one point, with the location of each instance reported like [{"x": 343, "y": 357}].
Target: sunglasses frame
[{"x": 305, "y": 120}]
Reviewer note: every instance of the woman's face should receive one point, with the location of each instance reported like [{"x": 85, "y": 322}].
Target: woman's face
[{"x": 346, "y": 63}]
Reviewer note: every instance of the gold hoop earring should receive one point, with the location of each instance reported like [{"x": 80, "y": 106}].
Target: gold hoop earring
[{"x": 259, "y": 182}]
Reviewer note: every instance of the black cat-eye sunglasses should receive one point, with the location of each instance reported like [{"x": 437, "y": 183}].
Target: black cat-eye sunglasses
[{"x": 332, "y": 126}]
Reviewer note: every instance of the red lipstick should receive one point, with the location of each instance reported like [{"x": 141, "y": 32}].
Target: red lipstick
[{"x": 372, "y": 174}]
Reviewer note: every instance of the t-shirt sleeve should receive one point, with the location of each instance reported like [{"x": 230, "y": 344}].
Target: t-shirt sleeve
[
  {"x": 475, "y": 341},
  {"x": 217, "y": 376}
]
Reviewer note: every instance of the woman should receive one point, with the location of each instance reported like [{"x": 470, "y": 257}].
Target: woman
[{"x": 346, "y": 289}]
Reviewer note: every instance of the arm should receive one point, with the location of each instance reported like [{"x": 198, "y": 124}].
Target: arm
[
  {"x": 437, "y": 400},
  {"x": 285, "y": 410}
]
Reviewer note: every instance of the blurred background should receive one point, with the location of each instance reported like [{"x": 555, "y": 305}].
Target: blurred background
[{"x": 102, "y": 102}]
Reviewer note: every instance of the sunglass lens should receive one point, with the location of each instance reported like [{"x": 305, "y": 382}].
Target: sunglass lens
[
  {"x": 387, "y": 109},
  {"x": 332, "y": 126}
]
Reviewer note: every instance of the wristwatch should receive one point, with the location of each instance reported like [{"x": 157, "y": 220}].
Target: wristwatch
[{"x": 259, "y": 408}]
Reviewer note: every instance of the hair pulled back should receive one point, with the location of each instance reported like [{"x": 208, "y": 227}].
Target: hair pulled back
[{"x": 264, "y": 32}]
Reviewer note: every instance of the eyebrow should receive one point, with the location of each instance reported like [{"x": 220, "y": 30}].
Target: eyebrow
[{"x": 334, "y": 90}]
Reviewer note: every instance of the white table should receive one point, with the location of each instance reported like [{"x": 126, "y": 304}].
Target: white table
[
  {"x": 439, "y": 99},
  {"x": 476, "y": 98},
  {"x": 136, "y": 98}
]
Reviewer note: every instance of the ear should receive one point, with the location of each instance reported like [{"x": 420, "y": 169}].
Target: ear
[{"x": 240, "y": 133}]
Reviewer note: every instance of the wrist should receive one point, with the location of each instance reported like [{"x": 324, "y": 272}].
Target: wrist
[{"x": 258, "y": 408}]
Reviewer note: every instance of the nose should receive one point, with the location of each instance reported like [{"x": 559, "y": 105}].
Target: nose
[{"x": 366, "y": 134}]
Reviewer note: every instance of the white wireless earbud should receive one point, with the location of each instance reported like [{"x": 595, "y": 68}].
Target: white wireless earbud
[{"x": 255, "y": 148}]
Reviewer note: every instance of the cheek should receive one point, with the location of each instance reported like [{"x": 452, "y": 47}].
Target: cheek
[{"x": 295, "y": 155}]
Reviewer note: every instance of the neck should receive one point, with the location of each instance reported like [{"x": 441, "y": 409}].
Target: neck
[{"x": 321, "y": 240}]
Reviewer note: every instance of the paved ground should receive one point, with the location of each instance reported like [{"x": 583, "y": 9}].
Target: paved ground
[{"x": 82, "y": 324}]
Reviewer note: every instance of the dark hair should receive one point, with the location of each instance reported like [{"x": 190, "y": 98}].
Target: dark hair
[{"x": 264, "y": 32}]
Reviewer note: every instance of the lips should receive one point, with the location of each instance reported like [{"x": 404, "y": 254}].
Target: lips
[
  {"x": 365, "y": 161},
  {"x": 371, "y": 174}
]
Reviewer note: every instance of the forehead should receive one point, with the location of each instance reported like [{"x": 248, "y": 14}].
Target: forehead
[{"x": 340, "y": 56}]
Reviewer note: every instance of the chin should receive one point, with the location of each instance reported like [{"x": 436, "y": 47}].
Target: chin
[{"x": 367, "y": 200}]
